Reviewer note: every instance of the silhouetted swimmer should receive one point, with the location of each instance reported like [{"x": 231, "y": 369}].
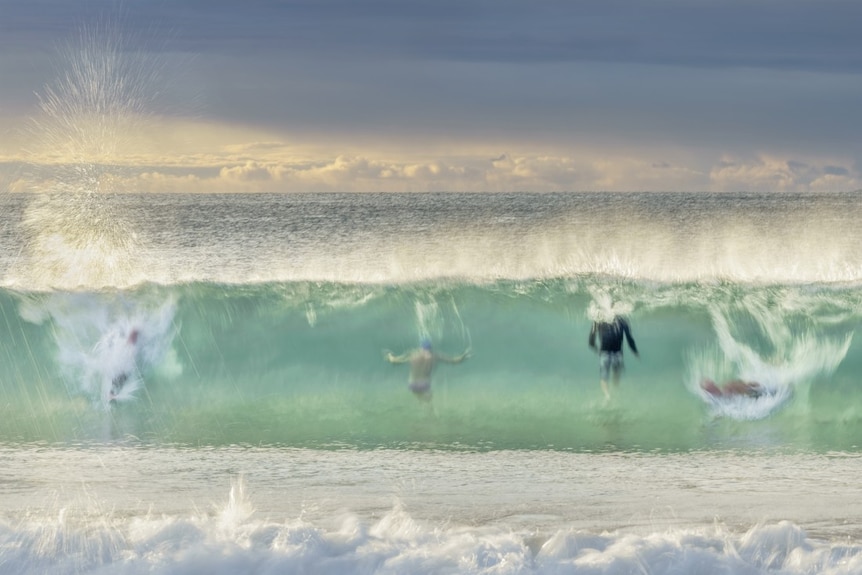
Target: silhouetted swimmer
[
  {"x": 610, "y": 334},
  {"x": 733, "y": 388},
  {"x": 120, "y": 379},
  {"x": 422, "y": 361}
]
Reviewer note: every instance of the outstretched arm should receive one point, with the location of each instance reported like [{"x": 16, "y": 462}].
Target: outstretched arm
[
  {"x": 392, "y": 358},
  {"x": 457, "y": 359}
]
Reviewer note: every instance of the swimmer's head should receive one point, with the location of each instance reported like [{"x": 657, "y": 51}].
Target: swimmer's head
[{"x": 425, "y": 343}]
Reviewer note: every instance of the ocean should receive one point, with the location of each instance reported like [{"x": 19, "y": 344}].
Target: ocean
[{"x": 258, "y": 428}]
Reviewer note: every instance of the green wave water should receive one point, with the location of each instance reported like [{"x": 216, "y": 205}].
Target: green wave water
[{"x": 301, "y": 364}]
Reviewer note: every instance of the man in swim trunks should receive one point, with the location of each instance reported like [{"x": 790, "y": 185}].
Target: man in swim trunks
[
  {"x": 422, "y": 362},
  {"x": 734, "y": 387},
  {"x": 610, "y": 335}
]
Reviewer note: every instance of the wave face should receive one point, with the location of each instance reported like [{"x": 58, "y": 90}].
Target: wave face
[
  {"x": 302, "y": 364},
  {"x": 265, "y": 319}
]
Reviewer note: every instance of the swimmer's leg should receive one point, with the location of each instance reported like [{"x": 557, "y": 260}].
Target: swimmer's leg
[
  {"x": 605, "y": 389},
  {"x": 604, "y": 372}
]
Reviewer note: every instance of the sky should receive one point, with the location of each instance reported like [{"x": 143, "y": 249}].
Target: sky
[{"x": 442, "y": 95}]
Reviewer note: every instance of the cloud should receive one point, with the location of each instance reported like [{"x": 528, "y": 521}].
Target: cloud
[
  {"x": 193, "y": 155},
  {"x": 618, "y": 78},
  {"x": 250, "y": 172},
  {"x": 836, "y": 171},
  {"x": 745, "y": 33},
  {"x": 769, "y": 173},
  {"x": 273, "y": 166}
]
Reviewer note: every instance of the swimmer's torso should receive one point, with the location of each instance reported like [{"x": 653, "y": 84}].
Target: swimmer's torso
[{"x": 421, "y": 364}]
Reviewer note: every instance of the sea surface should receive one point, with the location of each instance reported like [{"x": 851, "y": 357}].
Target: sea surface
[{"x": 258, "y": 428}]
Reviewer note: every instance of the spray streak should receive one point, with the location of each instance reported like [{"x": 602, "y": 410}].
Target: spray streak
[
  {"x": 773, "y": 338},
  {"x": 93, "y": 112}
]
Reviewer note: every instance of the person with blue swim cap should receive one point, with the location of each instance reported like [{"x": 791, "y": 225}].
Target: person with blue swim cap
[{"x": 422, "y": 361}]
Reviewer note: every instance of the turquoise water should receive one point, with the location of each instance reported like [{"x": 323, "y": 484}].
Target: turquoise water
[{"x": 301, "y": 364}]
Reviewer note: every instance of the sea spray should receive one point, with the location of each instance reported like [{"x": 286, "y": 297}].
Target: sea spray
[
  {"x": 91, "y": 120},
  {"x": 770, "y": 337},
  {"x": 95, "y": 345},
  {"x": 73, "y": 236}
]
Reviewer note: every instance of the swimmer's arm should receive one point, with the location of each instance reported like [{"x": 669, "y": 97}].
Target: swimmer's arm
[
  {"x": 392, "y": 358},
  {"x": 631, "y": 340},
  {"x": 457, "y": 359}
]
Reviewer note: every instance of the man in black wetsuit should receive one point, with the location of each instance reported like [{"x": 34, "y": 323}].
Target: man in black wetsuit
[{"x": 611, "y": 348}]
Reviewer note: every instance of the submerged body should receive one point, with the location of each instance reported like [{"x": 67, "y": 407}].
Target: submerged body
[
  {"x": 422, "y": 362},
  {"x": 733, "y": 388},
  {"x": 127, "y": 364}
]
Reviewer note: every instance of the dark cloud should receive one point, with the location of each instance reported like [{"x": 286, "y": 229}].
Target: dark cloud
[
  {"x": 738, "y": 75},
  {"x": 795, "y": 34},
  {"x": 606, "y": 105},
  {"x": 836, "y": 171}
]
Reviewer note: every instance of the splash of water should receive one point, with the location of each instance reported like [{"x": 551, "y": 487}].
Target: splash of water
[
  {"x": 773, "y": 341},
  {"x": 96, "y": 351},
  {"x": 239, "y": 509},
  {"x": 90, "y": 118},
  {"x": 604, "y": 306},
  {"x": 435, "y": 321}
]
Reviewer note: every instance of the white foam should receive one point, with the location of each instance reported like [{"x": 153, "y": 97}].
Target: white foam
[
  {"x": 94, "y": 343},
  {"x": 231, "y": 540},
  {"x": 796, "y": 349}
]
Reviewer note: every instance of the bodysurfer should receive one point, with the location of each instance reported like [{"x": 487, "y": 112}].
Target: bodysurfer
[
  {"x": 733, "y": 388},
  {"x": 610, "y": 348},
  {"x": 422, "y": 361},
  {"x": 121, "y": 378}
]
